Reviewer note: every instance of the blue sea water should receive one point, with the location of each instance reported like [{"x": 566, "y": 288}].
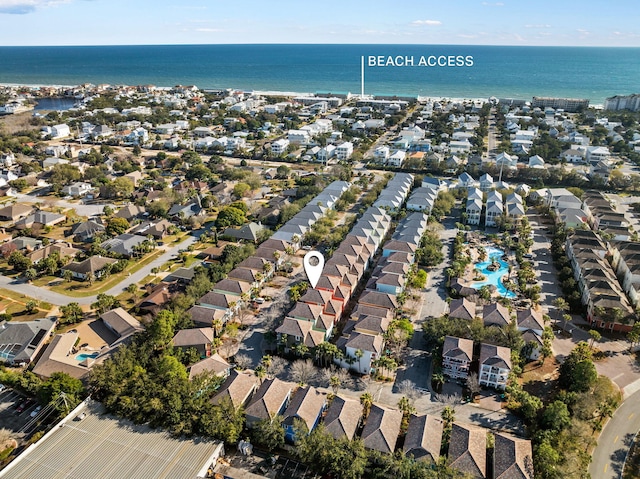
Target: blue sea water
[{"x": 503, "y": 71}]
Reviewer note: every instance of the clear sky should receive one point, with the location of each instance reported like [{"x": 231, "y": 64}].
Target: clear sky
[{"x": 470, "y": 22}]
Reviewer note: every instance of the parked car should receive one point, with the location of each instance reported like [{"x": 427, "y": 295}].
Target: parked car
[
  {"x": 36, "y": 411},
  {"x": 2, "y": 387},
  {"x": 24, "y": 405}
]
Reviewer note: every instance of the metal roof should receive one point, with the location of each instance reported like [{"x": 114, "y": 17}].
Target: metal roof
[{"x": 103, "y": 446}]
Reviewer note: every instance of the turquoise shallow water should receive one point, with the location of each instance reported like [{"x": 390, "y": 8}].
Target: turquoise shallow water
[
  {"x": 493, "y": 277},
  {"x": 83, "y": 356},
  {"x": 507, "y": 72}
]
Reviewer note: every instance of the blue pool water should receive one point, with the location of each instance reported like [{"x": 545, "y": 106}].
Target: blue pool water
[
  {"x": 83, "y": 356},
  {"x": 493, "y": 277}
]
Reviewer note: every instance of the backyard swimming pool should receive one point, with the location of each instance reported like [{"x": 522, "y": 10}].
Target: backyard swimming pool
[{"x": 82, "y": 356}]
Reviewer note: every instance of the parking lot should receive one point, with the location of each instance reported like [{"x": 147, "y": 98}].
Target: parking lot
[{"x": 15, "y": 413}]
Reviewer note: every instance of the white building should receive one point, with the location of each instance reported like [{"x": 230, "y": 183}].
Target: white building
[
  {"x": 60, "y": 131},
  {"x": 344, "y": 150},
  {"x": 326, "y": 153},
  {"x": 397, "y": 158},
  {"x": 381, "y": 153},
  {"x": 495, "y": 365},
  {"x": 279, "y": 147},
  {"x": 299, "y": 137}
]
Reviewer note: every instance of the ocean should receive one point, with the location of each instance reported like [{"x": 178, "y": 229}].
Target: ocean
[{"x": 502, "y": 71}]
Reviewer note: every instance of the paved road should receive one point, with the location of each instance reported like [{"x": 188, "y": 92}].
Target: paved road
[
  {"x": 80, "y": 208},
  {"x": 434, "y": 297},
  {"x": 616, "y": 438},
  {"x": 59, "y": 299}
]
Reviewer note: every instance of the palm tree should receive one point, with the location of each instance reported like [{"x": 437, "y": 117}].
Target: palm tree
[
  {"x": 406, "y": 407},
  {"x": 437, "y": 379},
  {"x": 359, "y": 353},
  {"x": 366, "y": 399},
  {"x": 561, "y": 306}
]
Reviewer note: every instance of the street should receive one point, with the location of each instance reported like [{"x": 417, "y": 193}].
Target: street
[
  {"x": 59, "y": 299},
  {"x": 615, "y": 439}
]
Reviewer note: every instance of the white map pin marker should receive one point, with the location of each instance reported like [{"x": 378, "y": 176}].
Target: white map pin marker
[{"x": 313, "y": 266}]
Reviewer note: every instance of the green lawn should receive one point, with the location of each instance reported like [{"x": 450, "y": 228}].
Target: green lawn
[{"x": 21, "y": 298}]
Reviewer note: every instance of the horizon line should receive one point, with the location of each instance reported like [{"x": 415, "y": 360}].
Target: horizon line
[{"x": 318, "y": 44}]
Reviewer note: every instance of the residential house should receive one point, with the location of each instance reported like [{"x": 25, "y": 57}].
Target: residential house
[
  {"x": 77, "y": 189},
  {"x": 191, "y": 209},
  {"x": 396, "y": 158},
  {"x": 307, "y": 405},
  {"x": 506, "y": 161},
  {"x": 465, "y": 180},
  {"x": 21, "y": 341},
  {"x": 63, "y": 250},
  {"x": 343, "y": 418},
  {"x": 121, "y": 323},
  {"x": 271, "y": 399},
  {"x": 60, "y": 357},
  {"x": 495, "y": 366},
  {"x": 535, "y": 344},
  {"x": 381, "y": 431},
  {"x": 215, "y": 364},
  {"x": 462, "y": 308},
  {"x": 495, "y": 314},
  {"x": 512, "y": 457},
  {"x": 457, "y": 354},
  {"x": 125, "y": 244},
  {"x": 40, "y": 219},
  {"x": 198, "y": 338},
  {"x": 473, "y": 211},
  {"x": 279, "y": 147},
  {"x": 536, "y": 161},
  {"x": 468, "y": 450},
  {"x": 494, "y": 209},
  {"x": 248, "y": 232},
  {"x": 424, "y": 438},
  {"x": 86, "y": 230},
  {"x": 92, "y": 267},
  {"x": 15, "y": 212},
  {"x": 237, "y": 388},
  {"x": 226, "y": 303},
  {"x": 530, "y": 319},
  {"x": 232, "y": 287},
  {"x": 131, "y": 212},
  {"x": 486, "y": 182},
  {"x": 155, "y": 229}
]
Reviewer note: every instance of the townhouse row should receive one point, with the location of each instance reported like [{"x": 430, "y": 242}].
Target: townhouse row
[
  {"x": 363, "y": 335},
  {"x": 511, "y": 206},
  {"x": 381, "y": 430},
  {"x": 603, "y": 296},
  {"x": 228, "y": 295},
  {"x": 313, "y": 317}
]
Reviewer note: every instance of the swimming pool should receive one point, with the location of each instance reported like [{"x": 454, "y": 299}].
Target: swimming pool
[
  {"x": 82, "y": 356},
  {"x": 493, "y": 277}
]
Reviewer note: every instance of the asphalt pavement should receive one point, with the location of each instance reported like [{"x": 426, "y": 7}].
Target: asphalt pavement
[{"x": 616, "y": 439}]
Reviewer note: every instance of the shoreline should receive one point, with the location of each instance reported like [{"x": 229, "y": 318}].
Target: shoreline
[{"x": 292, "y": 94}]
